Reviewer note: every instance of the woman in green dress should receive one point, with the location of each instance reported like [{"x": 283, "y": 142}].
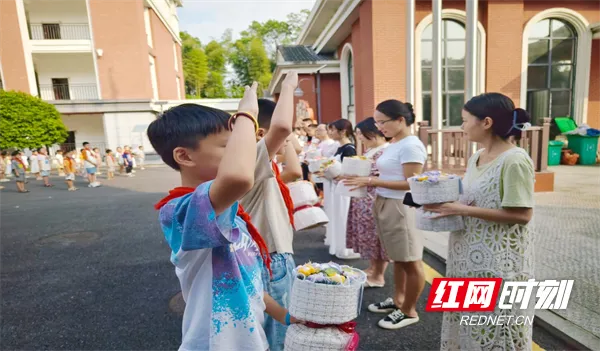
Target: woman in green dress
[{"x": 497, "y": 205}]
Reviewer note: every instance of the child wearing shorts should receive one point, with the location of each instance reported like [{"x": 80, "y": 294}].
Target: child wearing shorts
[
  {"x": 216, "y": 251},
  {"x": 70, "y": 169},
  {"x": 18, "y": 168}
]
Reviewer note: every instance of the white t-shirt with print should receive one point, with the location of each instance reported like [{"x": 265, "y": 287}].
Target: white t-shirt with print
[{"x": 407, "y": 150}]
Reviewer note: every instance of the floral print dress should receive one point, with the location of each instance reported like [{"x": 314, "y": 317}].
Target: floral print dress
[{"x": 361, "y": 234}]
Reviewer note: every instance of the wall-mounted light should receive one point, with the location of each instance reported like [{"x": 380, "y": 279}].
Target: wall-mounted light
[{"x": 99, "y": 52}]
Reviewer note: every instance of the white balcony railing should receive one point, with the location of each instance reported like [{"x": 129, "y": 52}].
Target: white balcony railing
[
  {"x": 68, "y": 92},
  {"x": 56, "y": 31}
]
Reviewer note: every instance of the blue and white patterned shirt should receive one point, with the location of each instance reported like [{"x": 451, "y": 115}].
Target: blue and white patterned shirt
[{"x": 219, "y": 269}]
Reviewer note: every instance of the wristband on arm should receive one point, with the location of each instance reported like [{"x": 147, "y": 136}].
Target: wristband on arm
[{"x": 233, "y": 117}]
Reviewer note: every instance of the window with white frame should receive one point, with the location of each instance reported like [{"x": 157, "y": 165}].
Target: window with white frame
[
  {"x": 551, "y": 69},
  {"x": 153, "y": 78},
  {"x": 148, "y": 27},
  {"x": 350, "y": 87},
  {"x": 453, "y": 71},
  {"x": 175, "y": 57},
  {"x": 178, "y": 82}
]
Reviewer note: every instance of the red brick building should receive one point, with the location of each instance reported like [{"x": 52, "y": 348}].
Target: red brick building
[{"x": 353, "y": 54}]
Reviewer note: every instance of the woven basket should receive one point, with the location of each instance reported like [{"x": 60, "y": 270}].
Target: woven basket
[
  {"x": 312, "y": 155},
  {"x": 302, "y": 338},
  {"x": 303, "y": 193},
  {"x": 424, "y": 221},
  {"x": 314, "y": 166},
  {"x": 309, "y": 218},
  {"x": 425, "y": 193},
  {"x": 324, "y": 303},
  {"x": 333, "y": 171},
  {"x": 344, "y": 190},
  {"x": 356, "y": 167}
]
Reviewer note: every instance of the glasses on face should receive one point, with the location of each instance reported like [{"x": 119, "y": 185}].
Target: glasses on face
[{"x": 382, "y": 123}]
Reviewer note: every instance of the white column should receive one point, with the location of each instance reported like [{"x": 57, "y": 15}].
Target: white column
[
  {"x": 410, "y": 51},
  {"x": 471, "y": 57},
  {"x": 436, "y": 74},
  {"x": 33, "y": 90}
]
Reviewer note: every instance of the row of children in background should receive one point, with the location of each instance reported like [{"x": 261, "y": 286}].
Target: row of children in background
[{"x": 85, "y": 163}]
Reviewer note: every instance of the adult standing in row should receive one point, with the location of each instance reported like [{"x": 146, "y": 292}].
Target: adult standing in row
[
  {"x": 337, "y": 206},
  {"x": 497, "y": 206},
  {"x": 326, "y": 146},
  {"x": 361, "y": 233},
  {"x": 405, "y": 157}
]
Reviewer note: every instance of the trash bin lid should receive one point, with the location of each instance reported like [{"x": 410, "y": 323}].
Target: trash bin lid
[
  {"x": 565, "y": 124},
  {"x": 555, "y": 143}
]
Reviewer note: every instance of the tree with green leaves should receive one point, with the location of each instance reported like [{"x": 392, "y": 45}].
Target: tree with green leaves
[
  {"x": 250, "y": 62},
  {"x": 28, "y": 122},
  {"x": 195, "y": 65},
  {"x": 216, "y": 55}
]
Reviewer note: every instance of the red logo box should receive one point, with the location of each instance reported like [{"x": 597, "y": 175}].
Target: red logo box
[{"x": 463, "y": 294}]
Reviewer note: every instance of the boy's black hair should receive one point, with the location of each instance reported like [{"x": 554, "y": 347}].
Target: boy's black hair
[
  {"x": 184, "y": 126},
  {"x": 16, "y": 153},
  {"x": 85, "y": 143},
  {"x": 265, "y": 113},
  {"x": 4, "y": 153},
  {"x": 108, "y": 151}
]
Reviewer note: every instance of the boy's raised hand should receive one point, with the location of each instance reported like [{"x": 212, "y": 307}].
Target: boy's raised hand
[
  {"x": 291, "y": 79},
  {"x": 249, "y": 103}
]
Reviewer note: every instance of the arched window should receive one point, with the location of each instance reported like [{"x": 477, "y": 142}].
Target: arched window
[
  {"x": 551, "y": 69},
  {"x": 453, "y": 71},
  {"x": 350, "y": 87},
  {"x": 347, "y": 83}
]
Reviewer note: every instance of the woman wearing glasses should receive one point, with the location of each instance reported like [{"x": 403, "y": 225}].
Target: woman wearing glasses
[
  {"x": 404, "y": 157},
  {"x": 497, "y": 205}
]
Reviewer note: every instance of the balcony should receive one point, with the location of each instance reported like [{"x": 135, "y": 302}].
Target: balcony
[
  {"x": 50, "y": 92},
  {"x": 60, "y": 38}
]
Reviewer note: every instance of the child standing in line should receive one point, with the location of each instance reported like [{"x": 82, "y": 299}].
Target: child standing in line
[
  {"x": 70, "y": 169},
  {"x": 128, "y": 161},
  {"x": 3, "y": 167},
  {"x": 140, "y": 157},
  {"x": 60, "y": 162},
  {"x": 45, "y": 166},
  {"x": 216, "y": 250},
  {"x": 18, "y": 167},
  {"x": 34, "y": 165},
  {"x": 266, "y": 202},
  {"x": 8, "y": 162},
  {"x": 110, "y": 164},
  {"x": 119, "y": 156},
  {"x": 98, "y": 156},
  {"x": 25, "y": 162}
]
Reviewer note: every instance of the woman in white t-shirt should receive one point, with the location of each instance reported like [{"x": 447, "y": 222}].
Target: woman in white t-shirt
[{"x": 404, "y": 157}]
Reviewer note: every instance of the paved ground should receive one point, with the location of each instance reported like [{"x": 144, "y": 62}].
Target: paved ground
[
  {"x": 567, "y": 246},
  {"x": 89, "y": 271}
]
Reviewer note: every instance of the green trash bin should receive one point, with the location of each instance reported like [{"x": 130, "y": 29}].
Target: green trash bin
[
  {"x": 585, "y": 146},
  {"x": 554, "y": 152}
]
